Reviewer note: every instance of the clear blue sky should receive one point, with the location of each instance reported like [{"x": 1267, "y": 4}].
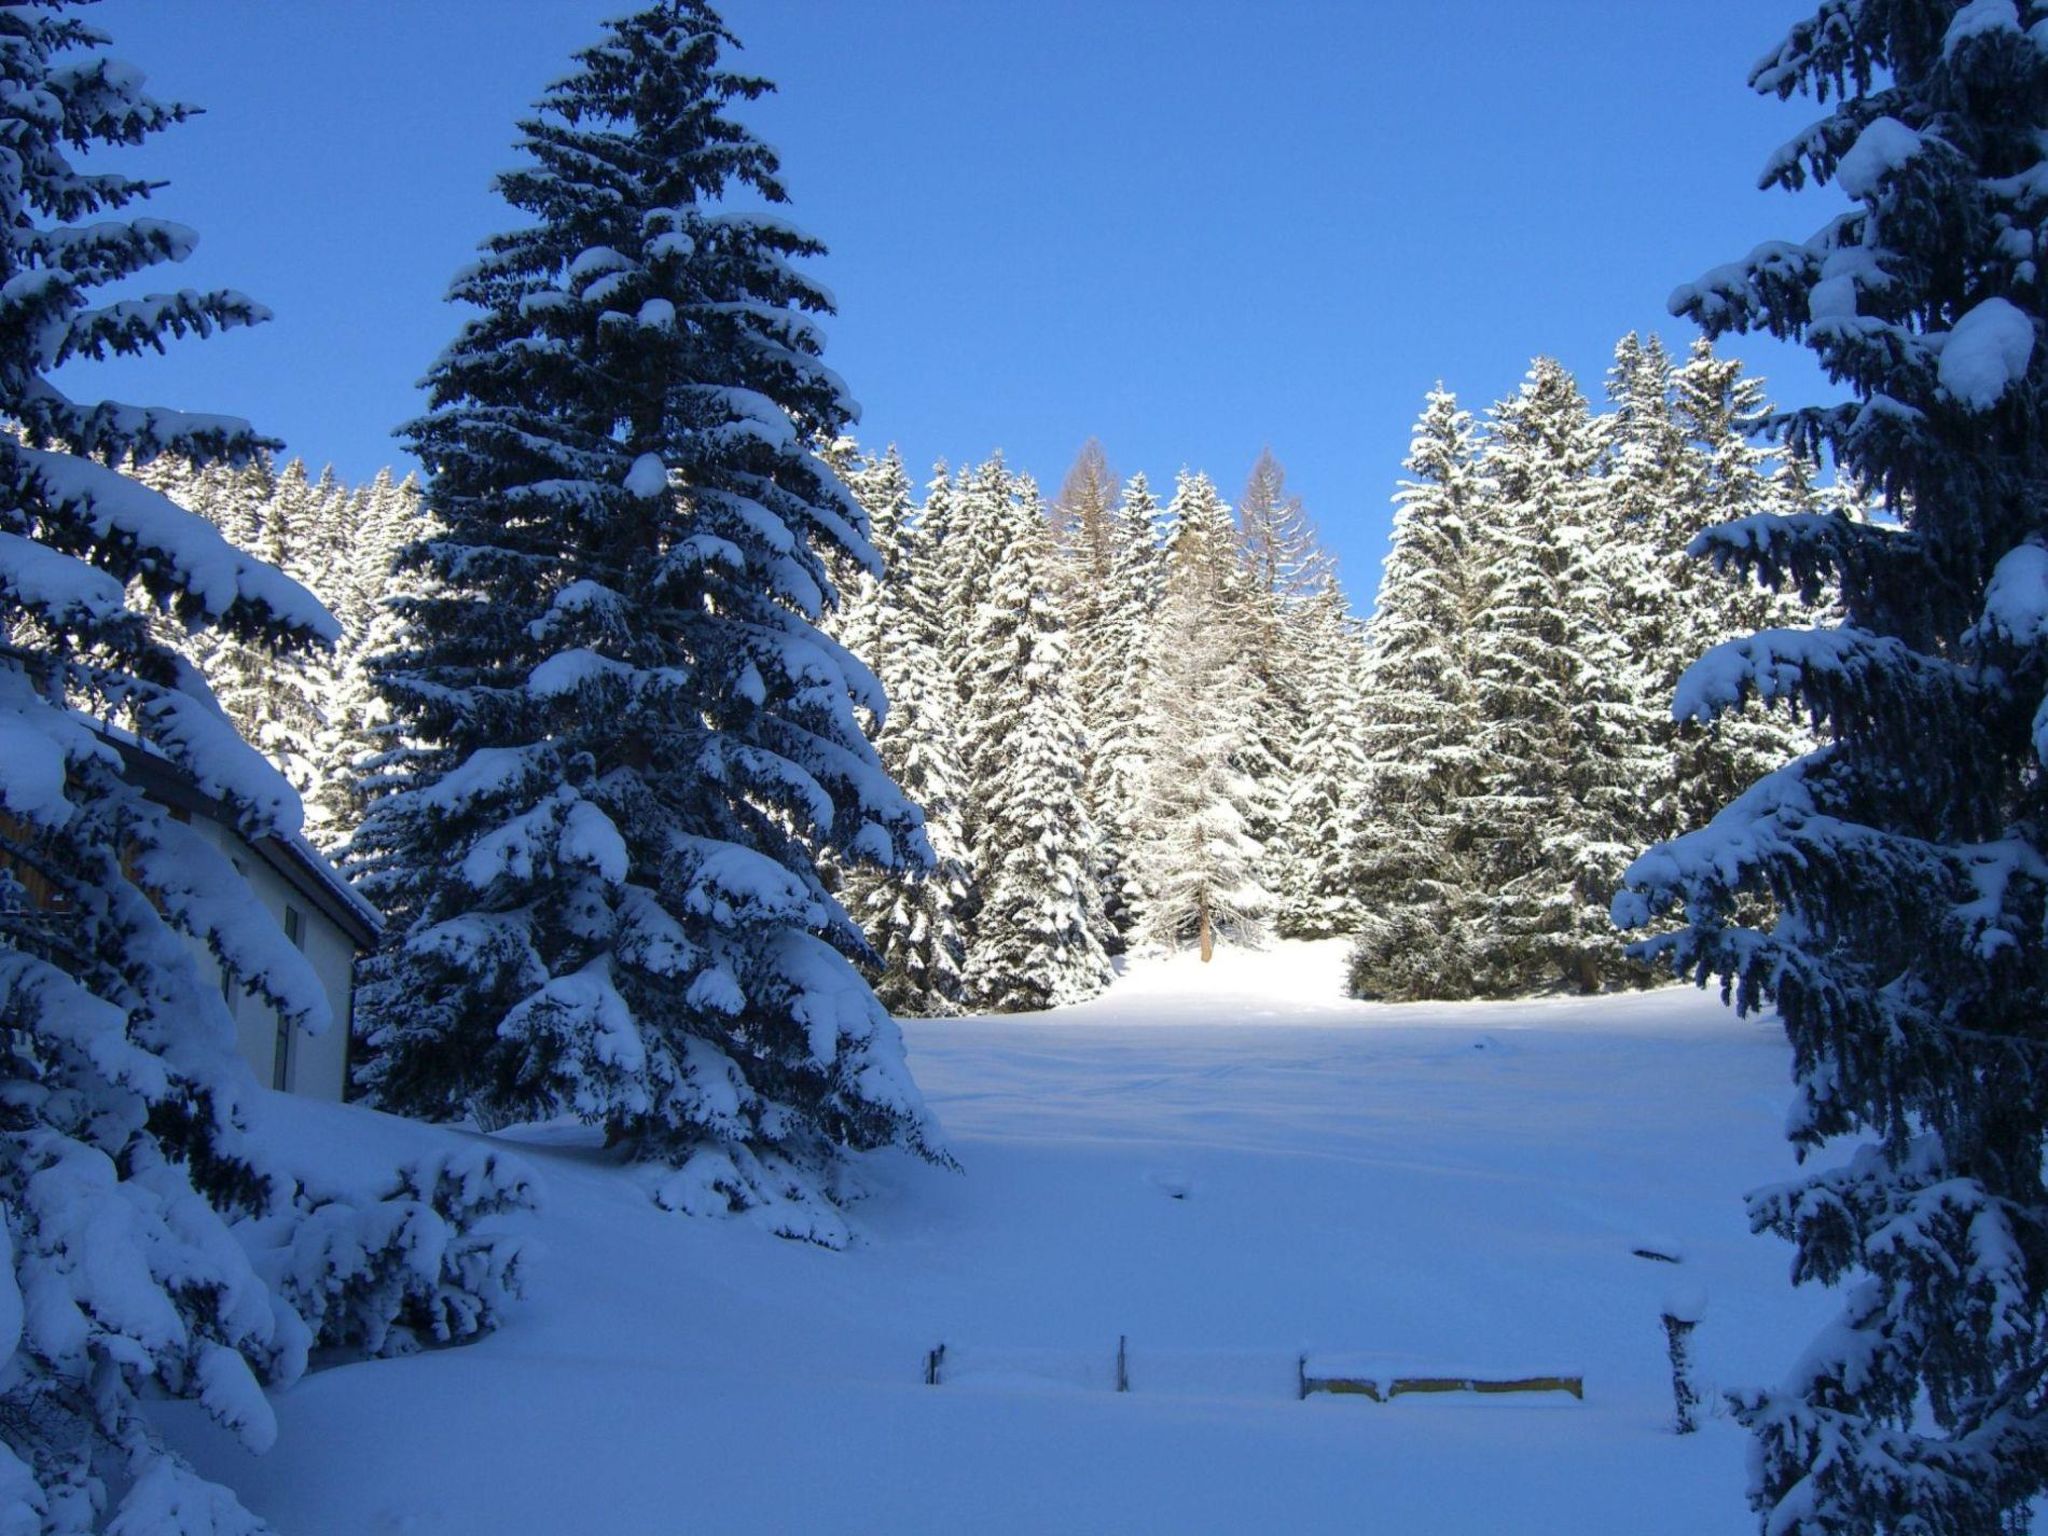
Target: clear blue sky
[{"x": 1187, "y": 227}]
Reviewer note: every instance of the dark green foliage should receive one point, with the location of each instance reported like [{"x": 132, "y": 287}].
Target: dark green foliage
[
  {"x": 1905, "y": 857},
  {"x": 629, "y": 742}
]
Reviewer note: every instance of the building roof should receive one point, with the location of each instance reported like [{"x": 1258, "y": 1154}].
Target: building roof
[{"x": 297, "y": 862}]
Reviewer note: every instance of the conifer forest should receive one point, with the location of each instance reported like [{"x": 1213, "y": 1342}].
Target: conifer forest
[{"x": 817, "y": 941}]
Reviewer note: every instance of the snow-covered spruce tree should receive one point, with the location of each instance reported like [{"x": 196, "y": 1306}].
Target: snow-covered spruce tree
[
  {"x": 851, "y": 619},
  {"x": 1036, "y": 940},
  {"x": 1111, "y": 680},
  {"x": 912, "y": 916},
  {"x": 355, "y": 732},
  {"x": 230, "y": 496},
  {"x": 635, "y": 737},
  {"x": 935, "y": 525},
  {"x": 1194, "y": 860},
  {"x": 1904, "y": 858},
  {"x": 1325, "y": 809},
  {"x": 1283, "y": 564},
  {"x": 1568, "y": 743},
  {"x": 979, "y": 522},
  {"x": 975, "y": 527},
  {"x": 275, "y": 700},
  {"x": 1085, "y": 539},
  {"x": 323, "y": 535},
  {"x": 1728, "y": 474},
  {"x": 1422, "y": 890},
  {"x": 380, "y": 749},
  {"x": 151, "y": 1248},
  {"x": 375, "y": 524},
  {"x": 1682, "y": 456},
  {"x": 309, "y": 711}
]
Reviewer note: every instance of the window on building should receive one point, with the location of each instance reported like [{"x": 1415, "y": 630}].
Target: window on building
[{"x": 281, "y": 1059}]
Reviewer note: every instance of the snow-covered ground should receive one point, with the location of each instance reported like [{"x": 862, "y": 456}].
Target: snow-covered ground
[{"x": 1228, "y": 1166}]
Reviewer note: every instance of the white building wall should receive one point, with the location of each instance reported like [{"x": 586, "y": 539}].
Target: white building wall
[{"x": 315, "y": 1065}]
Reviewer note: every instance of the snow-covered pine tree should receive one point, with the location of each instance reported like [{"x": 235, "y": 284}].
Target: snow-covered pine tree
[
  {"x": 232, "y": 497},
  {"x": 381, "y": 751},
  {"x": 1036, "y": 940},
  {"x": 237, "y": 500},
  {"x": 935, "y": 525},
  {"x": 274, "y": 700},
  {"x": 385, "y": 516},
  {"x": 323, "y": 538},
  {"x": 941, "y": 540},
  {"x": 1085, "y": 539},
  {"x": 304, "y": 709},
  {"x": 173, "y": 477},
  {"x": 317, "y": 523},
  {"x": 1569, "y": 743},
  {"x": 1651, "y": 480},
  {"x": 1111, "y": 681},
  {"x": 635, "y": 734},
  {"x": 373, "y": 528},
  {"x": 1084, "y": 531},
  {"x": 1422, "y": 879},
  {"x": 1646, "y": 461},
  {"x": 1682, "y": 456},
  {"x": 976, "y": 534},
  {"x": 1904, "y": 858},
  {"x": 913, "y": 917},
  {"x": 289, "y": 529},
  {"x": 852, "y": 618},
  {"x": 1729, "y": 474},
  {"x": 1194, "y": 860},
  {"x": 1282, "y": 554},
  {"x": 1324, "y": 816},
  {"x": 1284, "y": 566},
  {"x": 149, "y": 1245}
]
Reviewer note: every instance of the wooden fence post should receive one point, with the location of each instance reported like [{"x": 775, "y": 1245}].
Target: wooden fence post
[{"x": 1684, "y": 1395}]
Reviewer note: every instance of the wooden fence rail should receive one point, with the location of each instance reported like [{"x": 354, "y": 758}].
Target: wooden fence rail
[{"x": 1402, "y": 1386}]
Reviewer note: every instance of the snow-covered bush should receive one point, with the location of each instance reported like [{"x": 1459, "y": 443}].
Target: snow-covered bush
[{"x": 403, "y": 1270}]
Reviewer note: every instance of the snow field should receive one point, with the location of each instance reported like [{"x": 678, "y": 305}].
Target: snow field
[{"x": 1228, "y": 1166}]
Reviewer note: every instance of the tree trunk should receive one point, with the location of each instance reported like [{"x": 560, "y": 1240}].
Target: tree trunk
[{"x": 1208, "y": 937}]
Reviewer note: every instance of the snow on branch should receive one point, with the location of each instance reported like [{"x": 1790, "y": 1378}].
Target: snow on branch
[
  {"x": 1724, "y": 297},
  {"x": 61, "y": 589},
  {"x": 203, "y": 894},
  {"x": 195, "y": 553},
  {"x": 1820, "y": 667},
  {"x": 1773, "y": 828},
  {"x": 2016, "y": 598},
  {"x": 1986, "y": 353}
]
